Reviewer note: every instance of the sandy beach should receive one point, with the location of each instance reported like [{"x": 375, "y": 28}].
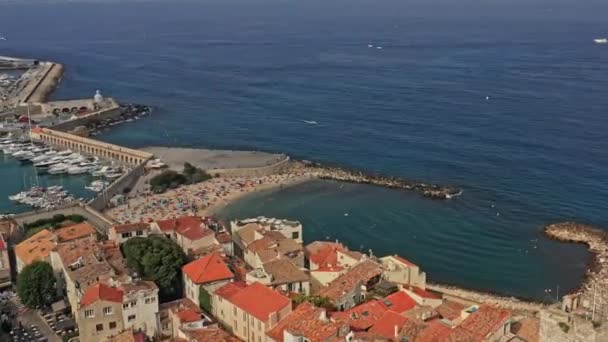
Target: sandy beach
[{"x": 202, "y": 199}]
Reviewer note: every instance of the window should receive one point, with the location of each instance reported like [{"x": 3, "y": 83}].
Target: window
[
  {"x": 125, "y": 306},
  {"x": 126, "y": 235},
  {"x": 236, "y": 325},
  {"x": 133, "y": 303},
  {"x": 259, "y": 325},
  {"x": 295, "y": 235},
  {"x": 139, "y": 233},
  {"x": 99, "y": 327},
  {"x": 89, "y": 313},
  {"x": 112, "y": 325},
  {"x": 107, "y": 310},
  {"x": 244, "y": 317},
  {"x": 234, "y": 309},
  {"x": 165, "y": 326},
  {"x": 131, "y": 318},
  {"x": 150, "y": 300},
  {"x": 222, "y": 313}
]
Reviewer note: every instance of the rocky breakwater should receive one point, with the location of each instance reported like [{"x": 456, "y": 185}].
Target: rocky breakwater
[
  {"x": 595, "y": 283},
  {"x": 433, "y": 191}
]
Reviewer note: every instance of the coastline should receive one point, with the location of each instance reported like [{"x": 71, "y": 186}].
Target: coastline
[{"x": 595, "y": 282}]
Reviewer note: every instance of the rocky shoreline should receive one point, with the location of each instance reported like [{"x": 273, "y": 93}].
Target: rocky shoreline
[
  {"x": 595, "y": 282},
  {"x": 433, "y": 191}
]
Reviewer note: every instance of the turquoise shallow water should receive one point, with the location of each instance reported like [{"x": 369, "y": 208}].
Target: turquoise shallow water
[{"x": 245, "y": 74}]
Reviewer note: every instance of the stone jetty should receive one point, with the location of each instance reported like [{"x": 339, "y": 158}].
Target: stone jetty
[
  {"x": 433, "y": 191},
  {"x": 594, "y": 288}
]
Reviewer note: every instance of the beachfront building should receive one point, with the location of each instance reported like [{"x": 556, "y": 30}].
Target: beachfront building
[
  {"x": 209, "y": 273},
  {"x": 189, "y": 232},
  {"x": 5, "y": 265},
  {"x": 351, "y": 288},
  {"x": 401, "y": 271},
  {"x": 273, "y": 246},
  {"x": 123, "y": 232},
  {"x": 38, "y": 247},
  {"x": 289, "y": 229},
  {"x": 245, "y": 232},
  {"x": 248, "y": 311},
  {"x": 327, "y": 261},
  {"x": 309, "y": 323},
  {"x": 281, "y": 275}
]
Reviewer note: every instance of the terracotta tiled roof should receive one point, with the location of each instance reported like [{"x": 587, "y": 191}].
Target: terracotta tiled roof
[
  {"x": 210, "y": 334},
  {"x": 247, "y": 233},
  {"x": 188, "y": 315},
  {"x": 412, "y": 328},
  {"x": 37, "y": 247},
  {"x": 385, "y": 326},
  {"x": 283, "y": 271},
  {"x": 363, "y": 316},
  {"x": 360, "y": 273},
  {"x": 481, "y": 323},
  {"x": 208, "y": 269},
  {"x": 434, "y": 331},
  {"x": 403, "y": 260},
  {"x": 191, "y": 227},
  {"x": 75, "y": 250},
  {"x": 423, "y": 293},
  {"x": 450, "y": 310},
  {"x": 527, "y": 329},
  {"x": 74, "y": 231},
  {"x": 306, "y": 321},
  {"x": 101, "y": 292},
  {"x": 131, "y": 227},
  {"x": 229, "y": 290},
  {"x": 258, "y": 300},
  {"x": 324, "y": 253},
  {"x": 399, "y": 302}
]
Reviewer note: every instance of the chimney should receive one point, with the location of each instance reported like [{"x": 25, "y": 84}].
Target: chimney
[{"x": 323, "y": 315}]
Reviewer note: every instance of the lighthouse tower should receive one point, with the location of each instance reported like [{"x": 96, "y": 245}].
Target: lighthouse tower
[{"x": 98, "y": 98}]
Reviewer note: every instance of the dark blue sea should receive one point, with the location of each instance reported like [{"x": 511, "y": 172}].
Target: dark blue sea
[{"x": 506, "y": 99}]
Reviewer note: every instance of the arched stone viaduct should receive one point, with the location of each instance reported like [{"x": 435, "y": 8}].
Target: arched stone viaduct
[{"x": 124, "y": 155}]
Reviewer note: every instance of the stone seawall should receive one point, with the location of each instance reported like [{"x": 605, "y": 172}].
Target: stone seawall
[
  {"x": 119, "y": 187},
  {"x": 594, "y": 288},
  {"x": 107, "y": 113},
  {"x": 95, "y": 218},
  {"x": 353, "y": 176},
  {"x": 277, "y": 167},
  {"x": 43, "y": 87}
]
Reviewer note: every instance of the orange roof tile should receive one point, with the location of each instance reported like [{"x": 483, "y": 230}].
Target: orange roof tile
[
  {"x": 423, "y": 293},
  {"x": 130, "y": 227},
  {"x": 74, "y": 231},
  {"x": 306, "y": 321},
  {"x": 360, "y": 273},
  {"x": 481, "y": 323},
  {"x": 230, "y": 289},
  {"x": 399, "y": 302},
  {"x": 101, "y": 292},
  {"x": 385, "y": 326},
  {"x": 363, "y": 316},
  {"x": 207, "y": 269},
  {"x": 210, "y": 334},
  {"x": 434, "y": 331},
  {"x": 37, "y": 247},
  {"x": 404, "y": 261},
  {"x": 527, "y": 328},
  {"x": 258, "y": 300},
  {"x": 188, "y": 315},
  {"x": 191, "y": 227},
  {"x": 324, "y": 253},
  {"x": 450, "y": 310}
]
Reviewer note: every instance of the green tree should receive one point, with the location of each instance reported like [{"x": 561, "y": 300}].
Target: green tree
[
  {"x": 205, "y": 299},
  {"x": 158, "y": 259},
  {"x": 318, "y": 301},
  {"x": 36, "y": 285}
]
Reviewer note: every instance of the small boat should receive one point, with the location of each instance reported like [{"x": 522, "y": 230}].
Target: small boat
[
  {"x": 310, "y": 122},
  {"x": 601, "y": 40},
  {"x": 97, "y": 186},
  {"x": 102, "y": 171},
  {"x": 112, "y": 175},
  {"x": 77, "y": 170},
  {"x": 59, "y": 168},
  {"x": 64, "y": 153},
  {"x": 25, "y": 157}
]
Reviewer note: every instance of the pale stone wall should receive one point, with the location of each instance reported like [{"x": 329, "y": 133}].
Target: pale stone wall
[
  {"x": 88, "y": 325},
  {"x": 145, "y": 311}
]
